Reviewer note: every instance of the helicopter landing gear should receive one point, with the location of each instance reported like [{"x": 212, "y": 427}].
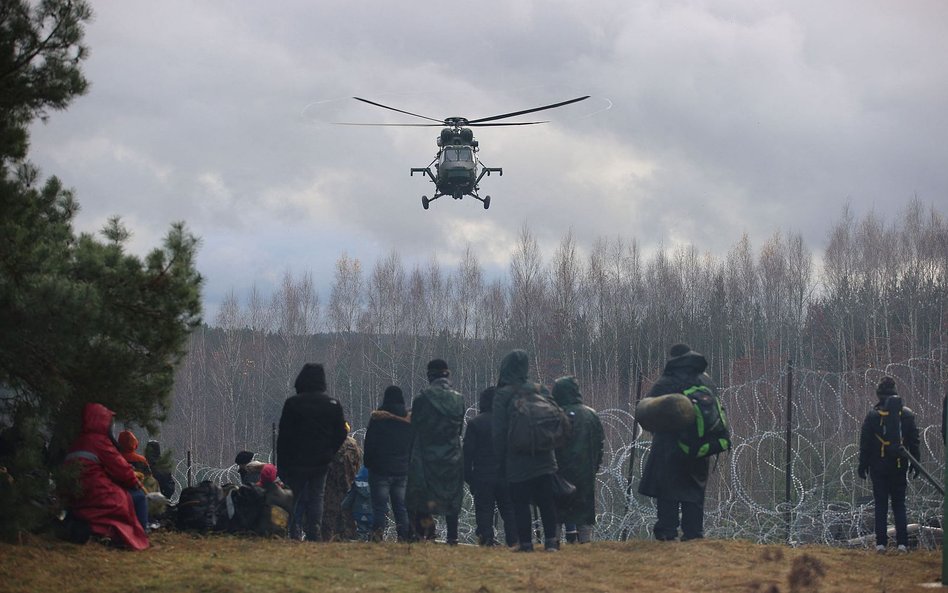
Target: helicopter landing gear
[
  {"x": 486, "y": 202},
  {"x": 424, "y": 202}
]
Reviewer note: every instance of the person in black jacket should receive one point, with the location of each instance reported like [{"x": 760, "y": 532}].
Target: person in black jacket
[
  {"x": 887, "y": 432},
  {"x": 312, "y": 428},
  {"x": 387, "y": 448},
  {"x": 675, "y": 481},
  {"x": 483, "y": 476}
]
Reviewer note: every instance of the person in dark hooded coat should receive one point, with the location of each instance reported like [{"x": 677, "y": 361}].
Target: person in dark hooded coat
[
  {"x": 675, "y": 481},
  {"x": 530, "y": 476},
  {"x": 387, "y": 450},
  {"x": 436, "y": 470},
  {"x": 312, "y": 428},
  {"x": 579, "y": 459},
  {"x": 482, "y": 472},
  {"x": 159, "y": 468}
]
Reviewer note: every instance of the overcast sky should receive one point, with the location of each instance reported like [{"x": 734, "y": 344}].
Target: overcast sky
[{"x": 707, "y": 120}]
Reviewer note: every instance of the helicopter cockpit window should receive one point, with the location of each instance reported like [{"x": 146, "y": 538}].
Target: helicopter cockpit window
[{"x": 463, "y": 153}]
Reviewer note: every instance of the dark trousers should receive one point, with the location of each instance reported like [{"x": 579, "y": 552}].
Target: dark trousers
[
  {"x": 692, "y": 519},
  {"x": 886, "y": 486},
  {"x": 538, "y": 491},
  {"x": 385, "y": 490},
  {"x": 308, "y": 489},
  {"x": 140, "y": 501},
  {"x": 487, "y": 497}
]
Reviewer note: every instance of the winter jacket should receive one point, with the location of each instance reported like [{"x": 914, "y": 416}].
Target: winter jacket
[
  {"x": 580, "y": 458},
  {"x": 359, "y": 499},
  {"x": 312, "y": 428},
  {"x": 277, "y": 508},
  {"x": 161, "y": 473},
  {"x": 481, "y": 464},
  {"x": 337, "y": 524},
  {"x": 128, "y": 447},
  {"x": 882, "y": 459},
  {"x": 388, "y": 441},
  {"x": 104, "y": 480},
  {"x": 436, "y": 466},
  {"x": 669, "y": 474},
  {"x": 518, "y": 467}
]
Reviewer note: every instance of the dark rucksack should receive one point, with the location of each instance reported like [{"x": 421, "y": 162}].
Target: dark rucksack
[
  {"x": 536, "y": 423},
  {"x": 202, "y": 508},
  {"x": 248, "y": 504},
  {"x": 888, "y": 429},
  {"x": 710, "y": 434}
]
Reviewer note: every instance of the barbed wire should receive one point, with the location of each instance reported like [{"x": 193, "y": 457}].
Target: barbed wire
[{"x": 746, "y": 489}]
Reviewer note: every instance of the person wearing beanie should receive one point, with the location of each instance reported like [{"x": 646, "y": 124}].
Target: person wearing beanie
[
  {"x": 312, "y": 428},
  {"x": 483, "y": 475},
  {"x": 387, "y": 448},
  {"x": 436, "y": 465},
  {"x": 277, "y": 504},
  {"x": 529, "y": 475},
  {"x": 677, "y": 482},
  {"x": 888, "y": 431}
]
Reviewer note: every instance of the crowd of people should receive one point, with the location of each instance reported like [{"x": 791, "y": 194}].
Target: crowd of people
[{"x": 415, "y": 463}]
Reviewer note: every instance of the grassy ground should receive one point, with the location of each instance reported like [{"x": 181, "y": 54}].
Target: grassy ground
[{"x": 180, "y": 562}]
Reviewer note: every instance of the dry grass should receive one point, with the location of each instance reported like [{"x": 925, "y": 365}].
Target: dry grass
[{"x": 180, "y": 562}]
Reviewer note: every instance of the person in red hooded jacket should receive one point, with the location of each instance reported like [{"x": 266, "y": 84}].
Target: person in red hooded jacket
[{"x": 106, "y": 482}]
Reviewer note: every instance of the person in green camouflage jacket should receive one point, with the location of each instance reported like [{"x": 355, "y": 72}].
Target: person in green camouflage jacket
[
  {"x": 338, "y": 524},
  {"x": 579, "y": 461},
  {"x": 436, "y": 467}
]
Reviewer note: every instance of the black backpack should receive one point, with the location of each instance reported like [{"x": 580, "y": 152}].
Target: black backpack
[
  {"x": 710, "y": 434},
  {"x": 888, "y": 430},
  {"x": 202, "y": 508},
  {"x": 536, "y": 423},
  {"x": 248, "y": 504}
]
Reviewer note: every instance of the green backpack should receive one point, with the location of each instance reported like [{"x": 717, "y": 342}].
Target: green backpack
[{"x": 709, "y": 435}]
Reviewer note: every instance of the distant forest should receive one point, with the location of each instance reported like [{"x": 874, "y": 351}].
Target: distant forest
[{"x": 606, "y": 313}]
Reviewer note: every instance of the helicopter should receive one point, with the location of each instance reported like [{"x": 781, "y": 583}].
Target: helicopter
[{"x": 457, "y": 169}]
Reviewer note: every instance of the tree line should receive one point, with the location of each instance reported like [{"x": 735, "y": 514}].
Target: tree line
[{"x": 605, "y": 312}]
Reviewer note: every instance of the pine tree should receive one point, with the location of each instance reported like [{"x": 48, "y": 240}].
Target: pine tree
[{"x": 82, "y": 319}]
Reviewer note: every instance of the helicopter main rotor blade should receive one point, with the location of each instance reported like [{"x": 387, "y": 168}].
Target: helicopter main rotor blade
[
  {"x": 507, "y": 123},
  {"x": 505, "y": 115},
  {"x": 440, "y": 122},
  {"x": 346, "y": 123}
]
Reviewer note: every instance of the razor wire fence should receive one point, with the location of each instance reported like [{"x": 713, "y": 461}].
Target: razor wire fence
[{"x": 746, "y": 493}]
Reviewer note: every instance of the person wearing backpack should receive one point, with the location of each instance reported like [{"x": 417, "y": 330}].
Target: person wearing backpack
[
  {"x": 676, "y": 480},
  {"x": 387, "y": 450},
  {"x": 482, "y": 472},
  {"x": 529, "y": 473},
  {"x": 436, "y": 465},
  {"x": 887, "y": 432},
  {"x": 312, "y": 428},
  {"x": 579, "y": 460}
]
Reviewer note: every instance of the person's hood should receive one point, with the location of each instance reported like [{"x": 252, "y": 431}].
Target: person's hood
[
  {"x": 311, "y": 379},
  {"x": 566, "y": 391},
  {"x": 514, "y": 368},
  {"x": 97, "y": 419},
  {"x": 127, "y": 442},
  {"x": 689, "y": 362},
  {"x": 152, "y": 451},
  {"x": 485, "y": 402}
]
